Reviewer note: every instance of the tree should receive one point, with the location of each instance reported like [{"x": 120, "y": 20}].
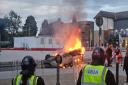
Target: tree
[
  {"x": 3, "y": 31},
  {"x": 14, "y": 22},
  {"x": 30, "y": 27},
  {"x": 9, "y": 26}
]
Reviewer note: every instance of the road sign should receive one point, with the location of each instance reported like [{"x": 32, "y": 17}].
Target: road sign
[{"x": 99, "y": 21}]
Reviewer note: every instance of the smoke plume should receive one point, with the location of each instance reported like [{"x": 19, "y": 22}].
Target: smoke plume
[
  {"x": 76, "y": 8},
  {"x": 67, "y": 33}
]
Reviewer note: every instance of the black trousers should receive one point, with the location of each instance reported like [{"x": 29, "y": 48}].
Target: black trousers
[
  {"x": 126, "y": 70},
  {"x": 109, "y": 61}
]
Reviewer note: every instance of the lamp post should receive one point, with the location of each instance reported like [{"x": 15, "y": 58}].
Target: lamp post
[
  {"x": 100, "y": 32},
  {"x": 118, "y": 36},
  {"x": 99, "y": 22},
  {"x": 58, "y": 61},
  {"x": 114, "y": 35}
]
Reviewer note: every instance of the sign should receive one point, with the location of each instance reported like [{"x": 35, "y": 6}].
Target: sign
[
  {"x": 99, "y": 21},
  {"x": 58, "y": 59}
]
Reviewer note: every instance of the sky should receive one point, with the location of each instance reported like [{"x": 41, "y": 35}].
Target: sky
[{"x": 65, "y": 9}]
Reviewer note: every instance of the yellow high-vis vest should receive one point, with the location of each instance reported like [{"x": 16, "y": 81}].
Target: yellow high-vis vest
[
  {"x": 31, "y": 81},
  {"x": 94, "y": 75}
]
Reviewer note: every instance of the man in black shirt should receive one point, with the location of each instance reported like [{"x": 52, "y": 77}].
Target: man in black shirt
[{"x": 96, "y": 73}]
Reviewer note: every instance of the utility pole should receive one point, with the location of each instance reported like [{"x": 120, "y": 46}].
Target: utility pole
[
  {"x": 117, "y": 61},
  {"x": 100, "y": 32}
]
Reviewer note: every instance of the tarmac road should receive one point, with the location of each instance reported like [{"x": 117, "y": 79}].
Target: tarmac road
[{"x": 68, "y": 76}]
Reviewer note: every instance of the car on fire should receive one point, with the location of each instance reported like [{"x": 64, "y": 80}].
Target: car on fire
[{"x": 68, "y": 59}]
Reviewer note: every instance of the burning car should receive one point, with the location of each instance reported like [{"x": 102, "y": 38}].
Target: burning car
[
  {"x": 67, "y": 59},
  {"x": 72, "y": 49}
]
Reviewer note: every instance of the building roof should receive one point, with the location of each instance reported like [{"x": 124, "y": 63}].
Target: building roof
[
  {"x": 105, "y": 14},
  {"x": 115, "y": 16},
  {"x": 121, "y": 15}
]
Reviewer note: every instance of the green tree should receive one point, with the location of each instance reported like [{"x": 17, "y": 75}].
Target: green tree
[
  {"x": 3, "y": 32},
  {"x": 14, "y": 23},
  {"x": 30, "y": 27},
  {"x": 9, "y": 26}
]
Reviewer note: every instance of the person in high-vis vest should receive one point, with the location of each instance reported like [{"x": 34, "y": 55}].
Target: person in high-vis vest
[
  {"x": 96, "y": 73},
  {"x": 26, "y": 76}
]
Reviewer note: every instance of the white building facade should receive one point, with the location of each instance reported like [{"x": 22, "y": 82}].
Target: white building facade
[{"x": 36, "y": 42}]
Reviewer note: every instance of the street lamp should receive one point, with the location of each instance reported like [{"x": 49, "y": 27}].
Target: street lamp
[
  {"x": 118, "y": 33},
  {"x": 58, "y": 61},
  {"x": 99, "y": 22}
]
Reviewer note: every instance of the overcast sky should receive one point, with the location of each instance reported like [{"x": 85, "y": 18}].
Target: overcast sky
[{"x": 52, "y": 9}]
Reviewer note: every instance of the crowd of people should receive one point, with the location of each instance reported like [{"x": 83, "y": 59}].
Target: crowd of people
[{"x": 116, "y": 54}]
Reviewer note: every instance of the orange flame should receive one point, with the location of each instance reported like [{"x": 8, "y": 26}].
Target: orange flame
[{"x": 74, "y": 42}]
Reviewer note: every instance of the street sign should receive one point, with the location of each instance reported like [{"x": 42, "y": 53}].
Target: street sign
[
  {"x": 99, "y": 21},
  {"x": 58, "y": 59}
]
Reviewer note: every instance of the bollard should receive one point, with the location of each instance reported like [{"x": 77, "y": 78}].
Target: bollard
[
  {"x": 117, "y": 73},
  {"x": 58, "y": 75}
]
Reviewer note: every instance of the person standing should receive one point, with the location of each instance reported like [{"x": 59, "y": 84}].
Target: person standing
[
  {"x": 119, "y": 56},
  {"x": 96, "y": 73},
  {"x": 109, "y": 54},
  {"x": 125, "y": 66},
  {"x": 27, "y": 76}
]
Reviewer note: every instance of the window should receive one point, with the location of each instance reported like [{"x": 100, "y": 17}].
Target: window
[
  {"x": 50, "y": 41},
  {"x": 42, "y": 40}
]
